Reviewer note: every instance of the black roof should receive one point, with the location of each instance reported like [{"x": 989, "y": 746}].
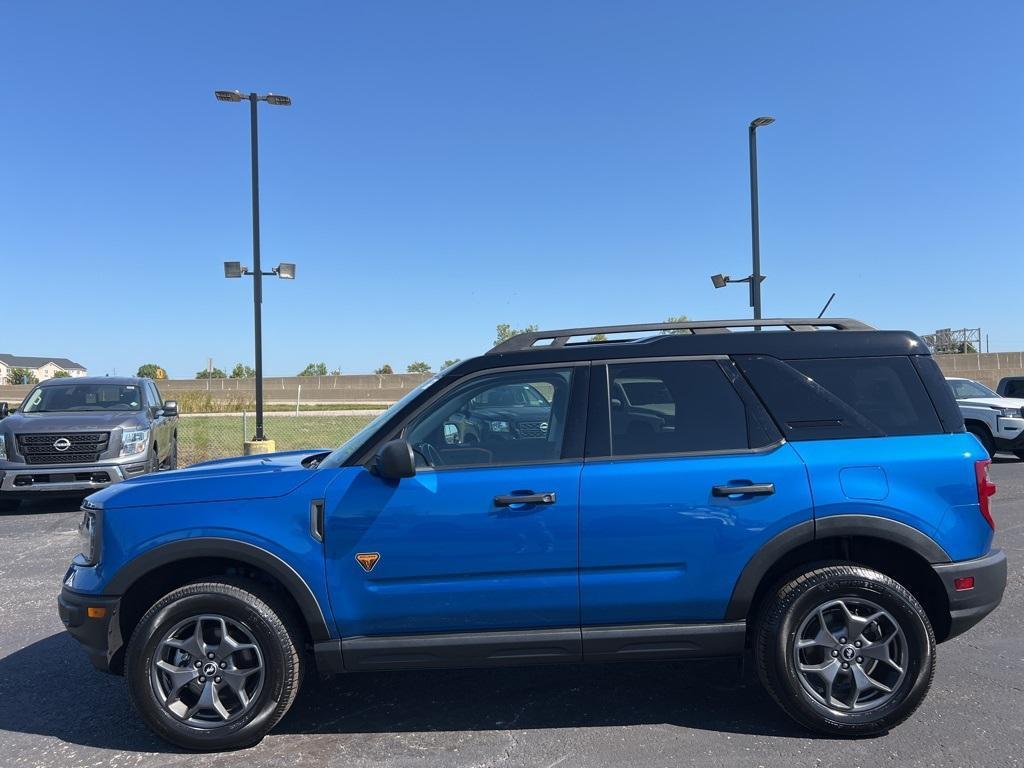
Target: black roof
[
  {"x": 784, "y": 338},
  {"x": 94, "y": 380}
]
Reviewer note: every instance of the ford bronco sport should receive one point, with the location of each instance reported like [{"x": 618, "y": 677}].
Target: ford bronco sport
[
  {"x": 807, "y": 495},
  {"x": 77, "y": 435}
]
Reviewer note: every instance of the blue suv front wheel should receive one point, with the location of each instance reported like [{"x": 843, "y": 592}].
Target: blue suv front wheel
[
  {"x": 214, "y": 665},
  {"x": 845, "y": 650}
]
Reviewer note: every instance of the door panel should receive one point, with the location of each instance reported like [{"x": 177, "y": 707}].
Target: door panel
[
  {"x": 450, "y": 558},
  {"x": 658, "y": 545}
]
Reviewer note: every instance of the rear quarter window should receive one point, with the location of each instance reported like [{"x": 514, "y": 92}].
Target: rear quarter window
[{"x": 844, "y": 397}]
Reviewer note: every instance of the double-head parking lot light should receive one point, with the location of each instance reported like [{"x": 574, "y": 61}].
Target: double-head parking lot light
[{"x": 235, "y": 269}]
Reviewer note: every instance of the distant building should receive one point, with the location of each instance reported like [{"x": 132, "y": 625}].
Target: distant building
[{"x": 40, "y": 367}]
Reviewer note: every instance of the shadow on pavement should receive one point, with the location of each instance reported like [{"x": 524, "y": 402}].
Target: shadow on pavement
[{"x": 48, "y": 688}]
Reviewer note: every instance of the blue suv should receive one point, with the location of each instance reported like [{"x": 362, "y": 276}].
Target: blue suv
[{"x": 679, "y": 490}]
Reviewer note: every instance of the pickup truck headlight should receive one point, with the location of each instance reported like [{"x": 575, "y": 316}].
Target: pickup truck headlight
[
  {"x": 88, "y": 532},
  {"x": 1014, "y": 412},
  {"x": 134, "y": 441},
  {"x": 498, "y": 426},
  {"x": 3, "y": 447}
]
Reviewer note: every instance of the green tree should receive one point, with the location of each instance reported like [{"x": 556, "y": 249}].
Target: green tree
[
  {"x": 385, "y": 370},
  {"x": 504, "y": 331},
  {"x": 336, "y": 372},
  {"x": 314, "y": 369},
  {"x": 216, "y": 373},
  {"x": 449, "y": 363},
  {"x": 677, "y": 319},
  {"x": 242, "y": 371},
  {"x": 22, "y": 376},
  {"x": 418, "y": 367},
  {"x": 151, "y": 371},
  {"x": 61, "y": 375},
  {"x": 599, "y": 337}
]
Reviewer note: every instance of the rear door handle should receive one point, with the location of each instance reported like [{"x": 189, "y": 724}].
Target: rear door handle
[
  {"x": 754, "y": 489},
  {"x": 526, "y": 498}
]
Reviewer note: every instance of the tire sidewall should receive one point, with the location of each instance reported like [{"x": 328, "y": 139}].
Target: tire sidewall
[
  {"x": 146, "y": 641},
  {"x": 920, "y": 646}
]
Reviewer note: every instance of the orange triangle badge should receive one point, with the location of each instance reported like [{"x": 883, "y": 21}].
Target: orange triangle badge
[{"x": 367, "y": 560}]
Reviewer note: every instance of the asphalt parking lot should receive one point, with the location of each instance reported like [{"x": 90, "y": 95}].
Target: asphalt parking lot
[{"x": 56, "y": 711}]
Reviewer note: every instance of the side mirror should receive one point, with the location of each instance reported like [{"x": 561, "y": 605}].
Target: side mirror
[
  {"x": 395, "y": 460},
  {"x": 4, "y": 410},
  {"x": 171, "y": 408}
]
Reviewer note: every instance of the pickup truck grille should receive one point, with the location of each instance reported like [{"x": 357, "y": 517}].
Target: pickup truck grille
[
  {"x": 533, "y": 429},
  {"x": 84, "y": 448}
]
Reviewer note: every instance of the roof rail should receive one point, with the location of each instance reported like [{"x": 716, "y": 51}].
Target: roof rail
[{"x": 561, "y": 338}]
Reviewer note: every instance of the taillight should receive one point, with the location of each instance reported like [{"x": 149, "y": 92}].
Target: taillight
[{"x": 986, "y": 489}]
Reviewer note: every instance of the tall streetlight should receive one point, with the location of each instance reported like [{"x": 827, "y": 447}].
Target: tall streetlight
[
  {"x": 234, "y": 268},
  {"x": 755, "y": 278},
  {"x": 755, "y": 228}
]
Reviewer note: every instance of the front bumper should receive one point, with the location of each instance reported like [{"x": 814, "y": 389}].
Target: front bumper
[
  {"x": 29, "y": 480},
  {"x": 1009, "y": 433},
  {"x": 100, "y": 635},
  {"x": 969, "y": 606}
]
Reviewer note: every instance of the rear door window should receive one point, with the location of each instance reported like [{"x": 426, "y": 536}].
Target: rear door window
[{"x": 677, "y": 406}]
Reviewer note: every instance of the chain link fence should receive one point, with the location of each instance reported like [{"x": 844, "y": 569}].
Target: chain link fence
[{"x": 206, "y": 436}]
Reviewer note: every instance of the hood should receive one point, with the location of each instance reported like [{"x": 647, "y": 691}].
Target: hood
[
  {"x": 246, "y": 477},
  {"x": 994, "y": 402},
  {"x": 73, "y": 421}
]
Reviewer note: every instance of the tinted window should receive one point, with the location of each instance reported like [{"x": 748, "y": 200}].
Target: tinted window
[
  {"x": 502, "y": 418},
  {"x": 886, "y": 391},
  {"x": 1015, "y": 388},
  {"x": 677, "y": 407}
]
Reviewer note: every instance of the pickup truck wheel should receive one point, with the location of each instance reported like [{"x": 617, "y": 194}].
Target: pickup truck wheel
[
  {"x": 984, "y": 437},
  {"x": 213, "y": 666},
  {"x": 845, "y": 650}
]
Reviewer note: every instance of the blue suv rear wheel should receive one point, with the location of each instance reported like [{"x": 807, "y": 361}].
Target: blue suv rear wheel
[{"x": 845, "y": 650}]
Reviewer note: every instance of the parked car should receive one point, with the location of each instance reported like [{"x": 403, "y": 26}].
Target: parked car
[
  {"x": 77, "y": 435},
  {"x": 809, "y": 497},
  {"x": 995, "y": 420},
  {"x": 1011, "y": 386}
]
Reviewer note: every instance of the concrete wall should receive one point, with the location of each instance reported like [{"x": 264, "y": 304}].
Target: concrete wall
[
  {"x": 355, "y": 388},
  {"x": 986, "y": 367}
]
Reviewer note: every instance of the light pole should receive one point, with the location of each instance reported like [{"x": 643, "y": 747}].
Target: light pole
[
  {"x": 234, "y": 268},
  {"x": 755, "y": 230}
]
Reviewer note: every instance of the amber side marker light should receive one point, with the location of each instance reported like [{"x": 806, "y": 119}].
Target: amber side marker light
[{"x": 96, "y": 612}]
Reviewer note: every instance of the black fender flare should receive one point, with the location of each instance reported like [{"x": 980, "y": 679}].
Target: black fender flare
[
  {"x": 244, "y": 552},
  {"x": 833, "y": 526}
]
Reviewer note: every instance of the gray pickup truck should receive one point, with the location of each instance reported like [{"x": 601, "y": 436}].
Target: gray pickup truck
[{"x": 73, "y": 436}]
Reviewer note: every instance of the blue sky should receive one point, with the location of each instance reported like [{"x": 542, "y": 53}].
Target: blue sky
[{"x": 448, "y": 166}]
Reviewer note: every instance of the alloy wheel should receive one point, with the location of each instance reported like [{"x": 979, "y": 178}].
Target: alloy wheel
[
  {"x": 850, "y": 655},
  {"x": 208, "y": 671}
]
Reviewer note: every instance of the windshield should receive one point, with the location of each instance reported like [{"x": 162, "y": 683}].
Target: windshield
[
  {"x": 340, "y": 455},
  {"x": 964, "y": 389},
  {"x": 83, "y": 397}
]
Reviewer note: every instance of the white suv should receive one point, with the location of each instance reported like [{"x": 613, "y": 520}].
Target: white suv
[{"x": 996, "y": 421}]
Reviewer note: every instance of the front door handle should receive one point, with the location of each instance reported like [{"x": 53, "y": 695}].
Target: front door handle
[
  {"x": 754, "y": 489},
  {"x": 526, "y": 498}
]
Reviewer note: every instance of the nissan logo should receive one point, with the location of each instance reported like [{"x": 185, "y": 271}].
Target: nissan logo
[{"x": 61, "y": 443}]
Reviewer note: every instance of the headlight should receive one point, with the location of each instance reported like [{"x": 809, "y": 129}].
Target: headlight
[
  {"x": 88, "y": 532},
  {"x": 134, "y": 441},
  {"x": 1014, "y": 412},
  {"x": 3, "y": 447},
  {"x": 498, "y": 426}
]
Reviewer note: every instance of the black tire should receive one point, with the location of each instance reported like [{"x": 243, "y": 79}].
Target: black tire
[
  {"x": 9, "y": 505},
  {"x": 172, "y": 458},
  {"x": 984, "y": 437},
  {"x": 250, "y": 607},
  {"x": 776, "y": 656}
]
